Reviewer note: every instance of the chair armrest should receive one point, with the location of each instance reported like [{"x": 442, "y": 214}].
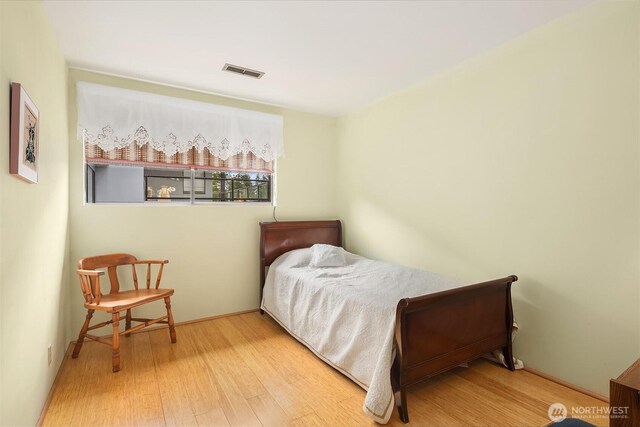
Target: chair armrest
[
  {"x": 90, "y": 284},
  {"x": 92, "y": 273}
]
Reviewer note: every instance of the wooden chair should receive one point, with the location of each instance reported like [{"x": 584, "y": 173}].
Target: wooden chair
[{"x": 117, "y": 301}]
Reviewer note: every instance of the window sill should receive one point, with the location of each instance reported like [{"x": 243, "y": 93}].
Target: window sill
[{"x": 185, "y": 204}]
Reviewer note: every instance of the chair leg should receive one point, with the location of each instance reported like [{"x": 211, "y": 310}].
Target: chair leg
[
  {"x": 83, "y": 332},
  {"x": 172, "y": 329},
  {"x": 115, "y": 361},
  {"x": 127, "y": 323}
]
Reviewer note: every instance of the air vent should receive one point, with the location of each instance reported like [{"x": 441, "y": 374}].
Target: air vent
[{"x": 241, "y": 70}]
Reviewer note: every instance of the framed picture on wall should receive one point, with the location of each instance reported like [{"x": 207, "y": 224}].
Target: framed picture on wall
[{"x": 25, "y": 135}]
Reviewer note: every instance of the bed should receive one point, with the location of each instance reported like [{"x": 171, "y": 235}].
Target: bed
[{"x": 424, "y": 334}]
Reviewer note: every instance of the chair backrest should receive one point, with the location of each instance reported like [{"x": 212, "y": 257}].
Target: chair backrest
[{"x": 110, "y": 262}]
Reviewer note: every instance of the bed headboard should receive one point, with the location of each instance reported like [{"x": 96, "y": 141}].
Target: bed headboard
[{"x": 277, "y": 238}]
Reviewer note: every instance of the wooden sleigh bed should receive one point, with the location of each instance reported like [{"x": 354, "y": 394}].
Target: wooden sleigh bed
[{"x": 434, "y": 332}]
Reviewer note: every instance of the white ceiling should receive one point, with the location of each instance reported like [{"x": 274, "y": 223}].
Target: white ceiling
[{"x": 325, "y": 57}]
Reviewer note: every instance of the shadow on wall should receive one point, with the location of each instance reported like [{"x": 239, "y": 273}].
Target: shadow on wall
[{"x": 391, "y": 234}]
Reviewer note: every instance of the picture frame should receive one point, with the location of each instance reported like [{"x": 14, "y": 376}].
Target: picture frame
[
  {"x": 25, "y": 135},
  {"x": 198, "y": 183}
]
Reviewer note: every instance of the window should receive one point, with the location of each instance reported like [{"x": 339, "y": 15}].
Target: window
[
  {"x": 135, "y": 184},
  {"x": 146, "y": 148},
  {"x": 233, "y": 187}
]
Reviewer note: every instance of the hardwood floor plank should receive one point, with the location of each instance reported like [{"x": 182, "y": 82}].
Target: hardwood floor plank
[
  {"x": 147, "y": 409},
  {"x": 294, "y": 357},
  {"x": 327, "y": 408},
  {"x": 477, "y": 406},
  {"x": 514, "y": 396},
  {"x": 420, "y": 413},
  {"x": 119, "y": 412},
  {"x": 311, "y": 420},
  {"x": 257, "y": 356},
  {"x": 202, "y": 393},
  {"x": 438, "y": 393},
  {"x": 268, "y": 411},
  {"x": 247, "y": 345},
  {"x": 232, "y": 364},
  {"x": 222, "y": 368},
  {"x": 265, "y": 372},
  {"x": 236, "y": 409},
  {"x": 90, "y": 406},
  {"x": 289, "y": 397},
  {"x": 213, "y": 418},
  {"x": 174, "y": 395},
  {"x": 541, "y": 389},
  {"x": 279, "y": 351},
  {"x": 246, "y": 370}
]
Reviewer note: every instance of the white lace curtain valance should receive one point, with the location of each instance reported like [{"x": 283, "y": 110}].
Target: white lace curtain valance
[{"x": 120, "y": 125}]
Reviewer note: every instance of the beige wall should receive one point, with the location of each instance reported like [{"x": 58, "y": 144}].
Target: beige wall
[
  {"x": 524, "y": 160},
  {"x": 33, "y": 218},
  {"x": 213, "y": 250}
]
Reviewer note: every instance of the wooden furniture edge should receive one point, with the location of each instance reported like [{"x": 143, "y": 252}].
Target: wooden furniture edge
[
  {"x": 413, "y": 313},
  {"x": 566, "y": 384},
  {"x": 623, "y": 377},
  {"x": 624, "y": 396}
]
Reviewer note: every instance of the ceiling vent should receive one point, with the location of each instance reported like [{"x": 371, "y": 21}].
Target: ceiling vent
[{"x": 241, "y": 70}]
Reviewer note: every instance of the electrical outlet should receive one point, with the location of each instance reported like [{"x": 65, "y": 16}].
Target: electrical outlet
[{"x": 49, "y": 355}]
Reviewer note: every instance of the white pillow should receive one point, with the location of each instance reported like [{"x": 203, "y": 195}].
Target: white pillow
[
  {"x": 298, "y": 258},
  {"x": 327, "y": 256}
]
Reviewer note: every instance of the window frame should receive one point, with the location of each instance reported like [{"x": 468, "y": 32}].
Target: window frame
[{"x": 193, "y": 200}]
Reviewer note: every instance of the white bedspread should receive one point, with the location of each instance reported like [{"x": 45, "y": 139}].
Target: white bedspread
[{"x": 346, "y": 315}]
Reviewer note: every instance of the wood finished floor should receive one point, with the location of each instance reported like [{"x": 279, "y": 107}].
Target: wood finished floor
[{"x": 244, "y": 370}]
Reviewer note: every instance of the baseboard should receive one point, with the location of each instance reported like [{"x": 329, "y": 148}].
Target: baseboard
[
  {"x": 188, "y": 322},
  {"x": 53, "y": 386},
  {"x": 567, "y": 384},
  {"x": 204, "y": 319}
]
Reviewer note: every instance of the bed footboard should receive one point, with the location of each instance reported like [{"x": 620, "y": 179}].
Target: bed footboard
[{"x": 440, "y": 331}]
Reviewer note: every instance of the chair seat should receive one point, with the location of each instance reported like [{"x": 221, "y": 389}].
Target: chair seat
[{"x": 128, "y": 299}]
